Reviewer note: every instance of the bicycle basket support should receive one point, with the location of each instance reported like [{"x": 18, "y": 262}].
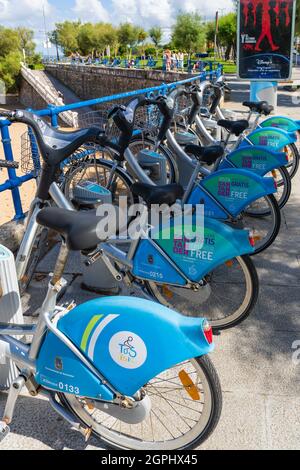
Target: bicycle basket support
[{"x": 30, "y": 155}]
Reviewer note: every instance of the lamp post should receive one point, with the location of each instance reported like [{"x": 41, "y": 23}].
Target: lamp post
[{"x": 216, "y": 34}]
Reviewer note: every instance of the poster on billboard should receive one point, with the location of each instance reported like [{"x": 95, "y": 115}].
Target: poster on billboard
[{"x": 265, "y": 39}]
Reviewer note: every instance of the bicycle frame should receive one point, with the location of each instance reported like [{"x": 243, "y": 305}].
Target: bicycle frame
[{"x": 60, "y": 339}]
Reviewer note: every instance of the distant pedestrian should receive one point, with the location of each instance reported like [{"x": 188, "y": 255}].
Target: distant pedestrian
[
  {"x": 174, "y": 61},
  {"x": 180, "y": 60},
  {"x": 168, "y": 60}
]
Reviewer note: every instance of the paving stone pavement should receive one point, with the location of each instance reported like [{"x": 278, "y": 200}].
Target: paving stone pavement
[{"x": 260, "y": 381}]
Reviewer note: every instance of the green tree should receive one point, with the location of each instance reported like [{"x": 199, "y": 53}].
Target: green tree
[
  {"x": 88, "y": 39},
  {"x": 227, "y": 33},
  {"x": 155, "y": 33},
  {"x": 10, "y": 66},
  {"x": 141, "y": 35},
  {"x": 26, "y": 40},
  {"x": 66, "y": 36},
  {"x": 10, "y": 56},
  {"x": 9, "y": 41},
  {"x": 110, "y": 36},
  {"x": 298, "y": 17},
  {"x": 189, "y": 33},
  {"x": 210, "y": 31},
  {"x": 128, "y": 35}
]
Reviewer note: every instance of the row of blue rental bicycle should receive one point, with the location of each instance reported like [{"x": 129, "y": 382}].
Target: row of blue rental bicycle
[{"x": 129, "y": 369}]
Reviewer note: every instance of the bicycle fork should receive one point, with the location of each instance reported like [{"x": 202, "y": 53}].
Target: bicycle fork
[{"x": 25, "y": 378}]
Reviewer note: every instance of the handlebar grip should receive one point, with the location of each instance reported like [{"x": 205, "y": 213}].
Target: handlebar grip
[
  {"x": 8, "y": 114},
  {"x": 8, "y": 164}
]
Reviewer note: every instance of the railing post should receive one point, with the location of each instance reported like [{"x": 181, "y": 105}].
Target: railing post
[
  {"x": 6, "y": 141},
  {"x": 54, "y": 117}
]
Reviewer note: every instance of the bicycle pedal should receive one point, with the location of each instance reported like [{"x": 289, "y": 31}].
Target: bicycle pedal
[{"x": 4, "y": 430}]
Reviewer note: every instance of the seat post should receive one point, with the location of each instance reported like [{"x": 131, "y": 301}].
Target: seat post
[{"x": 60, "y": 264}]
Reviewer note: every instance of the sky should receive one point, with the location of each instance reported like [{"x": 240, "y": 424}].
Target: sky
[{"x": 146, "y": 13}]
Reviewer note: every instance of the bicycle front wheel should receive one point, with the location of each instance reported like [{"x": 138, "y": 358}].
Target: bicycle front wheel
[
  {"x": 101, "y": 172},
  {"x": 293, "y": 156},
  {"x": 284, "y": 186},
  {"x": 176, "y": 420},
  {"x": 227, "y": 297},
  {"x": 263, "y": 219},
  {"x": 142, "y": 142}
]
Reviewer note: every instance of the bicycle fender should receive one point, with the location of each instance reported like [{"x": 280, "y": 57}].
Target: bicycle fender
[
  {"x": 274, "y": 138},
  {"x": 281, "y": 122},
  {"x": 258, "y": 159},
  {"x": 235, "y": 189},
  {"x": 131, "y": 340},
  {"x": 218, "y": 243}
]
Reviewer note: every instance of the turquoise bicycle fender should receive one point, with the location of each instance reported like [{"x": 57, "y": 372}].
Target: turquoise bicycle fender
[
  {"x": 274, "y": 138},
  {"x": 59, "y": 369},
  {"x": 235, "y": 189},
  {"x": 258, "y": 159},
  {"x": 281, "y": 122},
  {"x": 218, "y": 243},
  {"x": 131, "y": 340}
]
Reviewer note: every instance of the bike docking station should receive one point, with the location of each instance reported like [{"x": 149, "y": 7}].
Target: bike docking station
[
  {"x": 265, "y": 52},
  {"x": 10, "y": 311}
]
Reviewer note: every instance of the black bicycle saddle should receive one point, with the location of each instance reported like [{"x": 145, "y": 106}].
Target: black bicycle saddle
[
  {"x": 261, "y": 107},
  {"x": 208, "y": 155},
  {"x": 164, "y": 194},
  {"x": 234, "y": 127},
  {"x": 80, "y": 230}
]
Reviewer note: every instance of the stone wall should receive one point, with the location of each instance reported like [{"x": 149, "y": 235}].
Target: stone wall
[
  {"x": 29, "y": 98},
  {"x": 89, "y": 82}
]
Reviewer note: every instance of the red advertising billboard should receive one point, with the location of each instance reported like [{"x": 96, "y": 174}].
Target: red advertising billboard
[{"x": 265, "y": 39}]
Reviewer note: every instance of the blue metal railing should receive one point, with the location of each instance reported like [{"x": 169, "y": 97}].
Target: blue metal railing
[
  {"x": 188, "y": 65},
  {"x": 14, "y": 182}
]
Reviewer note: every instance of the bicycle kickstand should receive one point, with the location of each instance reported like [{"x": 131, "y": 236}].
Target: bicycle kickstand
[{"x": 14, "y": 392}]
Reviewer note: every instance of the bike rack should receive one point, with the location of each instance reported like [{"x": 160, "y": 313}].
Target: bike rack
[{"x": 14, "y": 182}]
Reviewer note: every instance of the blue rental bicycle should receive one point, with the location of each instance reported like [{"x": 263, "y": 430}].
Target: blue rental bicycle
[
  {"x": 208, "y": 100},
  {"x": 129, "y": 371},
  {"x": 165, "y": 268},
  {"x": 253, "y": 206}
]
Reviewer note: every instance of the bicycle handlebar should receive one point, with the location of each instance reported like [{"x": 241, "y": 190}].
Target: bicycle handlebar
[
  {"x": 8, "y": 114},
  {"x": 124, "y": 117},
  {"x": 8, "y": 164}
]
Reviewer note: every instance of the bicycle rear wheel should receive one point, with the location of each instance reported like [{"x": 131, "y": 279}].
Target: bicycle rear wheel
[
  {"x": 227, "y": 297},
  {"x": 176, "y": 420}
]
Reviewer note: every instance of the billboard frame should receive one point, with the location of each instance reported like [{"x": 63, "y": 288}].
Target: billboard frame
[{"x": 269, "y": 79}]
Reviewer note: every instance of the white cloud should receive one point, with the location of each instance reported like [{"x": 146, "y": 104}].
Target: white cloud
[
  {"x": 91, "y": 10},
  {"x": 145, "y": 13},
  {"x": 163, "y": 12},
  {"x": 15, "y": 12}
]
